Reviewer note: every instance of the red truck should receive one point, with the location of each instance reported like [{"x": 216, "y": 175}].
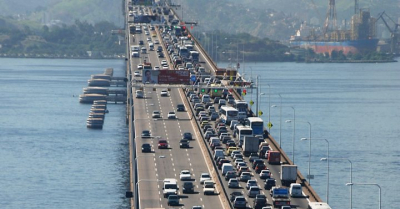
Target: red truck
[{"x": 274, "y": 157}]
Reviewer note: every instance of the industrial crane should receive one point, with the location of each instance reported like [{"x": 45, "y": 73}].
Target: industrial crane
[{"x": 394, "y": 33}]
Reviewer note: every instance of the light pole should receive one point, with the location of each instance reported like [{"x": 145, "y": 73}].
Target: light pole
[
  {"x": 137, "y": 190},
  {"x": 294, "y": 130},
  {"x": 380, "y": 192},
  {"x": 309, "y": 153},
  {"x": 280, "y": 121},
  {"x": 351, "y": 175}
]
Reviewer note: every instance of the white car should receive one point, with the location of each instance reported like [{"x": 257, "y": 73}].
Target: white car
[
  {"x": 156, "y": 67},
  {"x": 265, "y": 174},
  {"x": 146, "y": 32},
  {"x": 140, "y": 66},
  {"x": 204, "y": 177},
  {"x": 156, "y": 114},
  {"x": 185, "y": 175},
  {"x": 156, "y": 41},
  {"x": 164, "y": 62},
  {"x": 165, "y": 67},
  {"x": 148, "y": 39},
  {"x": 164, "y": 93},
  {"x": 136, "y": 74},
  {"x": 171, "y": 115}
]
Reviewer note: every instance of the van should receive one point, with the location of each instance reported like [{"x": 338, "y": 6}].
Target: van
[
  {"x": 218, "y": 153},
  {"x": 226, "y": 167},
  {"x": 295, "y": 190},
  {"x": 318, "y": 205},
  {"x": 170, "y": 187},
  {"x": 139, "y": 94},
  {"x": 151, "y": 46}
]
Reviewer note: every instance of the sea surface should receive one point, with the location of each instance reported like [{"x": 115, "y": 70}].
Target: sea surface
[
  {"x": 48, "y": 158},
  {"x": 356, "y": 107}
]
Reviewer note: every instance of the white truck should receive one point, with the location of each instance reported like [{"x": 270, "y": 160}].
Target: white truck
[
  {"x": 288, "y": 174},
  {"x": 250, "y": 145},
  {"x": 318, "y": 205}
]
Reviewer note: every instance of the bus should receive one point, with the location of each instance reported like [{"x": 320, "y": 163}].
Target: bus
[
  {"x": 256, "y": 123},
  {"x": 242, "y": 131},
  {"x": 241, "y": 105},
  {"x": 183, "y": 52},
  {"x": 227, "y": 114}
]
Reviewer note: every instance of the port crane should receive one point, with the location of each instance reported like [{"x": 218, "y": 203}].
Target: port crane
[{"x": 394, "y": 33}]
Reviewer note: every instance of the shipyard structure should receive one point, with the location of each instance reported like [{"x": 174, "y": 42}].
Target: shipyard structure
[{"x": 360, "y": 37}]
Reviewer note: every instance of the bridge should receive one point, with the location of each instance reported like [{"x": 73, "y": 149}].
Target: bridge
[{"x": 149, "y": 107}]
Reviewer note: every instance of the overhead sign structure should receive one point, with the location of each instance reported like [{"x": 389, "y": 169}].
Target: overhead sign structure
[{"x": 174, "y": 77}]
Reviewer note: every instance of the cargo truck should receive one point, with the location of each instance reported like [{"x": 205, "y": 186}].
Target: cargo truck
[
  {"x": 288, "y": 174},
  {"x": 280, "y": 197},
  {"x": 250, "y": 145},
  {"x": 274, "y": 157}
]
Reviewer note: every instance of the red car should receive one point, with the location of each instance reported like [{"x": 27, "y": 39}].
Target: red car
[{"x": 162, "y": 144}]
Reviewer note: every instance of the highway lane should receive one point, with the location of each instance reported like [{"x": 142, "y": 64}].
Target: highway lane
[{"x": 165, "y": 163}]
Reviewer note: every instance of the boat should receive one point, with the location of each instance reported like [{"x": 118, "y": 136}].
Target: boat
[
  {"x": 95, "y": 123},
  {"x": 96, "y": 115},
  {"x": 96, "y": 90},
  {"x": 101, "y": 76},
  {"x": 89, "y": 98},
  {"x": 100, "y": 102},
  {"x": 99, "y": 82}
]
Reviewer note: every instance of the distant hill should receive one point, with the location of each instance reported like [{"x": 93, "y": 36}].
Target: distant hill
[
  {"x": 276, "y": 19},
  {"x": 64, "y": 11}
]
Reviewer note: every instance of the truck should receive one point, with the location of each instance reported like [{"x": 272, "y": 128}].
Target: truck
[
  {"x": 250, "y": 145},
  {"x": 274, "y": 157},
  {"x": 280, "y": 197},
  {"x": 288, "y": 174},
  {"x": 318, "y": 205}
]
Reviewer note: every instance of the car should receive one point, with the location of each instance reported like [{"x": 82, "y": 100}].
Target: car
[
  {"x": 185, "y": 175},
  {"x": 253, "y": 191},
  {"x": 221, "y": 162},
  {"x": 269, "y": 183},
  {"x": 180, "y": 107},
  {"x": 256, "y": 162},
  {"x": 234, "y": 152},
  {"x": 146, "y": 32},
  {"x": 184, "y": 143},
  {"x": 252, "y": 158},
  {"x": 136, "y": 73},
  {"x": 160, "y": 54},
  {"x": 196, "y": 207},
  {"x": 140, "y": 66},
  {"x": 245, "y": 176},
  {"x": 233, "y": 195},
  {"x": 164, "y": 93},
  {"x": 171, "y": 115},
  {"x": 241, "y": 164},
  {"x": 159, "y": 49},
  {"x": 146, "y": 147},
  {"x": 164, "y": 62},
  {"x": 135, "y": 54},
  {"x": 162, "y": 144},
  {"x": 260, "y": 167},
  {"x": 260, "y": 201},
  {"x": 237, "y": 156},
  {"x": 148, "y": 39},
  {"x": 156, "y": 114},
  {"x": 146, "y": 134},
  {"x": 230, "y": 174},
  {"x": 173, "y": 200},
  {"x": 141, "y": 42},
  {"x": 214, "y": 116},
  {"x": 239, "y": 202},
  {"x": 187, "y": 135},
  {"x": 265, "y": 174},
  {"x": 187, "y": 187},
  {"x": 251, "y": 183},
  {"x": 156, "y": 68},
  {"x": 165, "y": 67},
  {"x": 208, "y": 187},
  {"x": 204, "y": 177},
  {"x": 233, "y": 183},
  {"x": 156, "y": 41}
]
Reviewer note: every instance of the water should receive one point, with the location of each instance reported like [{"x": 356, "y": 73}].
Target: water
[
  {"x": 356, "y": 107},
  {"x": 48, "y": 158}
]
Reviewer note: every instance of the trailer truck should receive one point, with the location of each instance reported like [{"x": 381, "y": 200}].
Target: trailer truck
[{"x": 288, "y": 174}]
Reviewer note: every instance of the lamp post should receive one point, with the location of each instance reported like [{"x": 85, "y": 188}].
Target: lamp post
[
  {"x": 380, "y": 192},
  {"x": 137, "y": 190},
  {"x": 136, "y": 176},
  {"x": 294, "y": 130},
  {"x": 280, "y": 121},
  {"x": 309, "y": 153},
  {"x": 351, "y": 175}
]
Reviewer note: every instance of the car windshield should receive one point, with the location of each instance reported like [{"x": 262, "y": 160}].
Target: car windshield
[
  {"x": 146, "y": 132},
  {"x": 205, "y": 176},
  {"x": 170, "y": 186},
  {"x": 185, "y": 172},
  {"x": 209, "y": 186},
  {"x": 162, "y": 141}
]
